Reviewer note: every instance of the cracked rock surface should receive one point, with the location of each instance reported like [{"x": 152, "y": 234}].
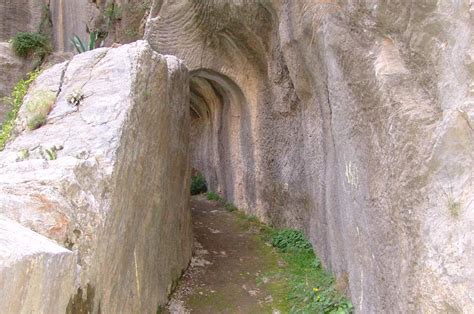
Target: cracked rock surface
[{"x": 120, "y": 156}]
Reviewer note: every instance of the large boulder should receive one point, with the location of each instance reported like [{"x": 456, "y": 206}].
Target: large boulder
[
  {"x": 351, "y": 120},
  {"x": 107, "y": 175}
]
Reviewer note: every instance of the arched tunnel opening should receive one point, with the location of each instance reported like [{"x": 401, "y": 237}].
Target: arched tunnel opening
[{"x": 221, "y": 141}]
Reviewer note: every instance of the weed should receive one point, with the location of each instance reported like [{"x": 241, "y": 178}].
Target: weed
[
  {"x": 230, "y": 207},
  {"x": 198, "y": 184},
  {"x": 15, "y": 100},
  {"x": 212, "y": 196},
  {"x": 38, "y": 108},
  {"x": 52, "y": 155},
  {"x": 25, "y": 44}
]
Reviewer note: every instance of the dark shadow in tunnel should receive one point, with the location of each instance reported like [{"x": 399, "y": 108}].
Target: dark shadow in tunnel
[{"x": 222, "y": 146}]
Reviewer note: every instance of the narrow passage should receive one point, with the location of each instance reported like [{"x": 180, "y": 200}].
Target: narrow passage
[{"x": 233, "y": 270}]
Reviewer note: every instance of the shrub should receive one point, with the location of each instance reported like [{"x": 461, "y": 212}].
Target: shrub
[
  {"x": 212, "y": 196},
  {"x": 38, "y": 108},
  {"x": 198, "y": 185},
  {"x": 25, "y": 44},
  {"x": 15, "y": 100}
]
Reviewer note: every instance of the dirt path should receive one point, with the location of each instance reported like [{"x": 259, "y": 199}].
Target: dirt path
[{"x": 232, "y": 268}]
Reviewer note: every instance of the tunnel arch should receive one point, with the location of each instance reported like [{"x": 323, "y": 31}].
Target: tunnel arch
[{"x": 222, "y": 146}]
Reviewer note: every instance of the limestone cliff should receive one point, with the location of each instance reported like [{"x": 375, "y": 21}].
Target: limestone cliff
[{"x": 350, "y": 120}]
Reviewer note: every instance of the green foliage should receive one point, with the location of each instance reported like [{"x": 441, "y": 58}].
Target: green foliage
[
  {"x": 81, "y": 47},
  {"x": 38, "y": 108},
  {"x": 212, "y": 196},
  {"x": 15, "y": 101},
  {"x": 311, "y": 288},
  {"x": 25, "y": 44},
  {"x": 230, "y": 207},
  {"x": 286, "y": 239},
  {"x": 198, "y": 184}
]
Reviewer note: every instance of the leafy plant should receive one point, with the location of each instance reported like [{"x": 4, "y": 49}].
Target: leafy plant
[
  {"x": 212, "y": 196},
  {"x": 38, "y": 108},
  {"x": 198, "y": 184},
  {"x": 25, "y": 44},
  {"x": 81, "y": 47},
  {"x": 15, "y": 101},
  {"x": 23, "y": 154}
]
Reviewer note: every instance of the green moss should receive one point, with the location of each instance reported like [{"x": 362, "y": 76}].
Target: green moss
[
  {"x": 15, "y": 101},
  {"x": 230, "y": 207}
]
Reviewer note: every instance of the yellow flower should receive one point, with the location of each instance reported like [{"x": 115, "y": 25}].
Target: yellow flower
[{"x": 315, "y": 289}]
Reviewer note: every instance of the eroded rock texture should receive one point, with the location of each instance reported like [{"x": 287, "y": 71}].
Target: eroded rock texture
[
  {"x": 107, "y": 177},
  {"x": 350, "y": 120}
]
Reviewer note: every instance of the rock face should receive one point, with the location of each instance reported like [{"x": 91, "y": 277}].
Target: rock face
[
  {"x": 107, "y": 176},
  {"x": 36, "y": 274},
  {"x": 20, "y": 16},
  {"x": 350, "y": 120}
]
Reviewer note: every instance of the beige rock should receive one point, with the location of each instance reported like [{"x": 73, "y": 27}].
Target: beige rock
[
  {"x": 351, "y": 120},
  {"x": 108, "y": 177},
  {"x": 36, "y": 274}
]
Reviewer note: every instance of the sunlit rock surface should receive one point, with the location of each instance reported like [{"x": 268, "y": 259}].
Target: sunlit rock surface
[{"x": 108, "y": 177}]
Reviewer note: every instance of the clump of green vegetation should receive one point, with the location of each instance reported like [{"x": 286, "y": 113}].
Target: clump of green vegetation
[
  {"x": 311, "y": 288},
  {"x": 230, "y": 207},
  {"x": 25, "y": 44},
  {"x": 15, "y": 101},
  {"x": 38, "y": 108},
  {"x": 198, "y": 184},
  {"x": 213, "y": 196}
]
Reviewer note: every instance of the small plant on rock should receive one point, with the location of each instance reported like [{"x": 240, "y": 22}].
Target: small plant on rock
[
  {"x": 75, "y": 98},
  {"x": 25, "y": 44},
  {"x": 38, "y": 108}
]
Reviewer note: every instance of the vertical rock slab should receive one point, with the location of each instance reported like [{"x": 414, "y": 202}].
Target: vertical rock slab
[
  {"x": 36, "y": 274},
  {"x": 107, "y": 175}
]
